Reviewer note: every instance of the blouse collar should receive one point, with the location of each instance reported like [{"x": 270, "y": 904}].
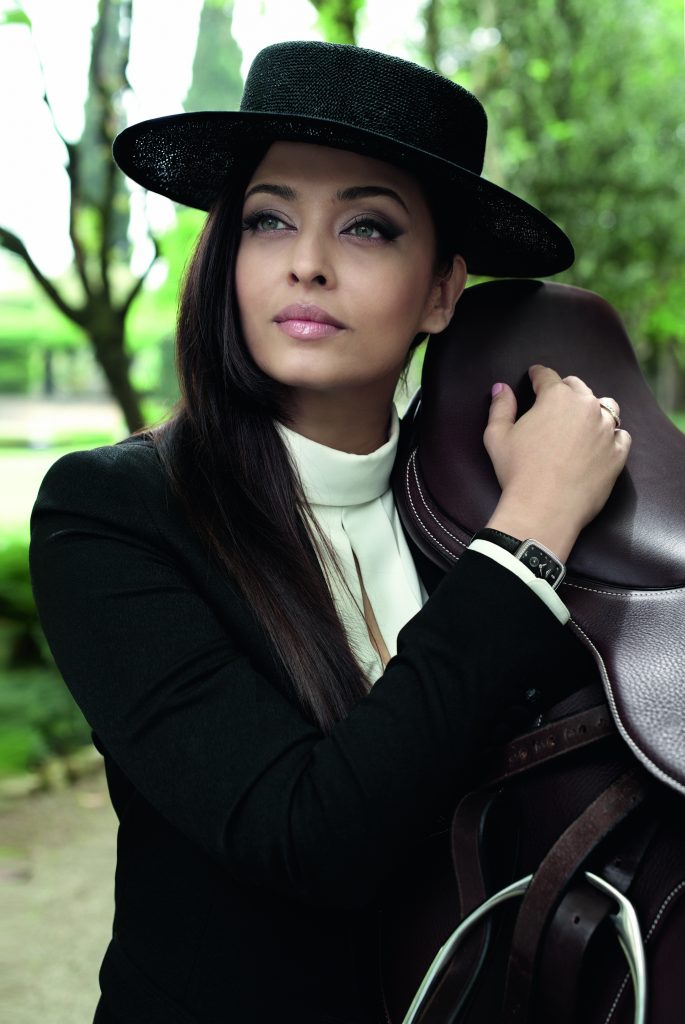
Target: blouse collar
[{"x": 332, "y": 477}]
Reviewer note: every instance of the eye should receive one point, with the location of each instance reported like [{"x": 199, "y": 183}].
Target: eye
[
  {"x": 371, "y": 229},
  {"x": 262, "y": 222}
]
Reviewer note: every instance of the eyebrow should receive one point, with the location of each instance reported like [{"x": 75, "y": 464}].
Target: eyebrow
[
  {"x": 369, "y": 192},
  {"x": 344, "y": 195}
]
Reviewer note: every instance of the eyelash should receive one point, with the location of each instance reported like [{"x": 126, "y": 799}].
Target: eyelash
[
  {"x": 252, "y": 221},
  {"x": 387, "y": 231}
]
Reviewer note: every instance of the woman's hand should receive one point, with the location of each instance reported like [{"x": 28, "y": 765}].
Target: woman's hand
[{"x": 558, "y": 463}]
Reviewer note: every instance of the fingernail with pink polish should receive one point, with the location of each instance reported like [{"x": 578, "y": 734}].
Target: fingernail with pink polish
[{"x": 496, "y": 389}]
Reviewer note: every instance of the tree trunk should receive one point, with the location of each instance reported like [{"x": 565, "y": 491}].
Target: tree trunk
[
  {"x": 338, "y": 19},
  {"x": 669, "y": 378},
  {"x": 48, "y": 373},
  {"x": 110, "y": 350},
  {"x": 432, "y": 34}
]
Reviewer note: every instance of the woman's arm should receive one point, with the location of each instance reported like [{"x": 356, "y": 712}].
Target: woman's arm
[{"x": 162, "y": 669}]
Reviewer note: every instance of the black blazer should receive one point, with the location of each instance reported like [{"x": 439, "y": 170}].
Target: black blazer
[{"x": 252, "y": 850}]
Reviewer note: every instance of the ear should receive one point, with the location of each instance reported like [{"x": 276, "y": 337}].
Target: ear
[{"x": 444, "y": 295}]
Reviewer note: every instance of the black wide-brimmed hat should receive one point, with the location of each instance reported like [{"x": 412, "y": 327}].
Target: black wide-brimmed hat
[{"x": 351, "y": 98}]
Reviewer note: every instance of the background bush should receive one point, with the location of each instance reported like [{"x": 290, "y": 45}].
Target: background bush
[{"x": 39, "y": 718}]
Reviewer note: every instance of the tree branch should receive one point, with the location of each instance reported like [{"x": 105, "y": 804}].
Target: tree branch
[
  {"x": 430, "y": 16},
  {"x": 135, "y": 291},
  {"x": 338, "y": 19},
  {"x": 48, "y": 104},
  {"x": 100, "y": 88},
  {"x": 72, "y": 170},
  {"x": 106, "y": 84},
  {"x": 14, "y": 244}
]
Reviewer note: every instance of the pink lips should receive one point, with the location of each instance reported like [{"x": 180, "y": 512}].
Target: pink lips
[{"x": 304, "y": 321}]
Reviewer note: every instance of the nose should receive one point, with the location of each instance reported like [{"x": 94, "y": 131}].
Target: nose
[{"x": 311, "y": 261}]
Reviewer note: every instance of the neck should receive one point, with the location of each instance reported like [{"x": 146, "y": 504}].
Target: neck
[{"x": 344, "y": 421}]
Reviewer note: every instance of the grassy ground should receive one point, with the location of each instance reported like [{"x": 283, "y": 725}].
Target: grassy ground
[{"x": 56, "y": 875}]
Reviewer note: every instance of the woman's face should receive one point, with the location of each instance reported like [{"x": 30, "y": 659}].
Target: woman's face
[{"x": 335, "y": 272}]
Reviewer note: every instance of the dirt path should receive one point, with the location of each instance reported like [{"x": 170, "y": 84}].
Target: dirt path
[{"x": 57, "y": 858}]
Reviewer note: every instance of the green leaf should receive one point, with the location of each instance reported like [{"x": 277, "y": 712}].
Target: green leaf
[
  {"x": 16, "y": 17},
  {"x": 539, "y": 69},
  {"x": 561, "y": 131}
]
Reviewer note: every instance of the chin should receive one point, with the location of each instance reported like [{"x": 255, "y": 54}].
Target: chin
[{"x": 313, "y": 378}]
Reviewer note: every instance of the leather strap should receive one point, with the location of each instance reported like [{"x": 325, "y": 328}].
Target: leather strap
[
  {"x": 578, "y": 916},
  {"x": 520, "y": 755},
  {"x": 455, "y": 984},
  {"x": 549, "y": 742},
  {"x": 567, "y": 855},
  {"x": 504, "y": 540},
  {"x": 576, "y": 920},
  {"x": 468, "y": 824}
]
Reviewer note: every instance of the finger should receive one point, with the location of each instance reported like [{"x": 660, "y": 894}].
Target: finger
[
  {"x": 542, "y": 377},
  {"x": 612, "y": 403},
  {"x": 502, "y": 407},
  {"x": 623, "y": 440},
  {"x": 610, "y": 417},
  {"x": 578, "y": 385}
]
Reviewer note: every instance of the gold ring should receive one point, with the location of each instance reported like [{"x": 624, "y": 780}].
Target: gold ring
[{"x": 614, "y": 415}]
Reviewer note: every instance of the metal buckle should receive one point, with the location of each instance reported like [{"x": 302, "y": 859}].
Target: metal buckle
[{"x": 624, "y": 920}]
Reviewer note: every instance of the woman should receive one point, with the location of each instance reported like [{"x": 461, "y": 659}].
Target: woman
[{"x": 224, "y": 595}]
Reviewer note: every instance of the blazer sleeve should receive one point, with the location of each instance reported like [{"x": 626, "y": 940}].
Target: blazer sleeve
[{"x": 215, "y": 745}]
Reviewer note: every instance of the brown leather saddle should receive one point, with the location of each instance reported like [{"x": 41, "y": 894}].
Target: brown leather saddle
[
  {"x": 625, "y": 583},
  {"x": 579, "y": 795}
]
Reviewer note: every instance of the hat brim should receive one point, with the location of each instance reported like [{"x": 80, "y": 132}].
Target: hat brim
[{"x": 189, "y": 158}]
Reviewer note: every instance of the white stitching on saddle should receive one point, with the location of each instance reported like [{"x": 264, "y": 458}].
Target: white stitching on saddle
[
  {"x": 576, "y": 586},
  {"x": 412, "y": 463},
  {"x": 639, "y": 753},
  {"x": 663, "y": 906},
  {"x": 417, "y": 517},
  {"x": 625, "y": 593},
  {"x": 648, "y": 936}
]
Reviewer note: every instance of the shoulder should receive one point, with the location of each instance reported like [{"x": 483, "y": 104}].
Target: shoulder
[
  {"x": 116, "y": 473},
  {"x": 117, "y": 497},
  {"x": 114, "y": 490},
  {"x": 133, "y": 455}
]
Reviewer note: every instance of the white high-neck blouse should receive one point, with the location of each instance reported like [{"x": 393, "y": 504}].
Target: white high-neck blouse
[{"x": 352, "y": 502}]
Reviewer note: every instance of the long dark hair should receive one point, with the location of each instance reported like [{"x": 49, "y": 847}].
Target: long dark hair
[{"x": 231, "y": 469}]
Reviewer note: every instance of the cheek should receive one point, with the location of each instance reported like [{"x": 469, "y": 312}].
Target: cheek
[
  {"x": 242, "y": 278},
  {"x": 249, "y": 292},
  {"x": 407, "y": 294}
]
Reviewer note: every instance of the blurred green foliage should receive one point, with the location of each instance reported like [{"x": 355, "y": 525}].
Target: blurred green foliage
[
  {"x": 338, "y": 19},
  {"x": 22, "y": 641},
  {"x": 216, "y": 80},
  {"x": 39, "y": 718},
  {"x": 586, "y": 107}
]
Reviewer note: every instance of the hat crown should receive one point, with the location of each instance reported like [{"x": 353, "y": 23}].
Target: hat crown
[{"x": 370, "y": 91}]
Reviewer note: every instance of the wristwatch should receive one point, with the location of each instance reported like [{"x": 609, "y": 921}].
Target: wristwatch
[{"x": 539, "y": 559}]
